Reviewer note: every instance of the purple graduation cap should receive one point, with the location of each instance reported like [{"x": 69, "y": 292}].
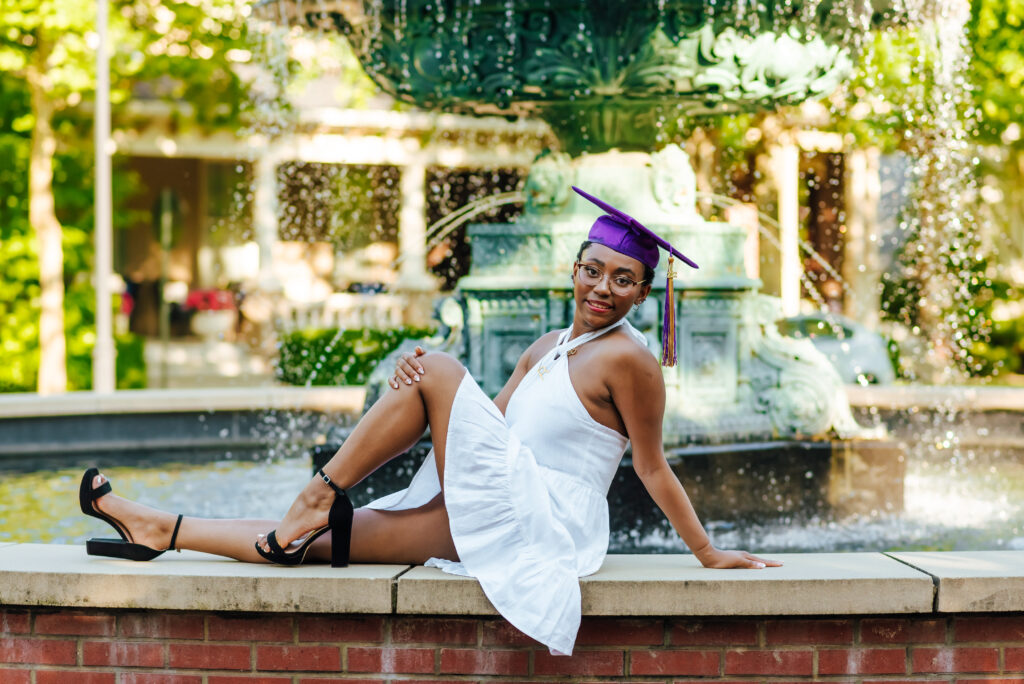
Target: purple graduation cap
[{"x": 621, "y": 232}]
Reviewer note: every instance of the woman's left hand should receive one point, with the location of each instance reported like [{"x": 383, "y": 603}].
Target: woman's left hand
[
  {"x": 407, "y": 368},
  {"x": 716, "y": 558}
]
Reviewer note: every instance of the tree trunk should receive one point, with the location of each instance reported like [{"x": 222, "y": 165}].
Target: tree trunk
[{"x": 43, "y": 218}]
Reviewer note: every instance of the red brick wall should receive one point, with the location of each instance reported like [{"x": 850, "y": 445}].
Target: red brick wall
[{"x": 125, "y": 647}]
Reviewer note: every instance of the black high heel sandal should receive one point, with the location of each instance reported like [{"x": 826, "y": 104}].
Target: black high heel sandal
[
  {"x": 339, "y": 522},
  {"x": 114, "y": 548}
]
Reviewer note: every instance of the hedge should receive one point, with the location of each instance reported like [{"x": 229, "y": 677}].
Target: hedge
[{"x": 335, "y": 356}]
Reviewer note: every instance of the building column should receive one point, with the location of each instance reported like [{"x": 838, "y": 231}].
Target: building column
[
  {"x": 414, "y": 282},
  {"x": 745, "y": 215},
  {"x": 104, "y": 366},
  {"x": 786, "y": 158},
  {"x": 861, "y": 269},
  {"x": 412, "y": 227},
  {"x": 265, "y": 217}
]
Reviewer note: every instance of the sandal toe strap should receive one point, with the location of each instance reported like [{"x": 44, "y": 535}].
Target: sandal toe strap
[
  {"x": 104, "y": 488},
  {"x": 275, "y": 548}
]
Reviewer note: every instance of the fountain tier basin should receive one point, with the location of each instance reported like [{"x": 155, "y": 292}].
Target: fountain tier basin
[{"x": 602, "y": 77}]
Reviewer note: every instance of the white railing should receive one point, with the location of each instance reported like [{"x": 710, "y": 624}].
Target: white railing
[{"x": 345, "y": 310}]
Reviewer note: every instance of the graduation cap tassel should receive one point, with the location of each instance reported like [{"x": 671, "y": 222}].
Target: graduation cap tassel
[{"x": 668, "y": 323}]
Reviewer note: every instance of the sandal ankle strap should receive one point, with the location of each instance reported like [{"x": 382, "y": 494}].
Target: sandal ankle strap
[
  {"x": 174, "y": 535},
  {"x": 337, "y": 490}
]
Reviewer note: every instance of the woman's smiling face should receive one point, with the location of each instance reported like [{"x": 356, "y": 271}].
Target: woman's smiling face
[{"x": 599, "y": 304}]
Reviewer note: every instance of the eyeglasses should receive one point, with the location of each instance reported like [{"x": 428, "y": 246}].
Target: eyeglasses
[{"x": 592, "y": 275}]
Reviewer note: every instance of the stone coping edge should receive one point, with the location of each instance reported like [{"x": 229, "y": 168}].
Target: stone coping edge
[
  {"x": 347, "y": 400},
  {"x": 627, "y": 585},
  {"x": 954, "y": 398}
]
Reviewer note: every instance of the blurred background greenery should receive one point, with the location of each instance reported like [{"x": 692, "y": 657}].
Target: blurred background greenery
[{"x": 215, "y": 69}]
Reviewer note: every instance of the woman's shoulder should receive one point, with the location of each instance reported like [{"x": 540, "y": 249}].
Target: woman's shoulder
[
  {"x": 626, "y": 351},
  {"x": 629, "y": 343}
]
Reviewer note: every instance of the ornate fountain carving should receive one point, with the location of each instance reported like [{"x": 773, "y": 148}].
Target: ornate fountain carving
[
  {"x": 738, "y": 378},
  {"x": 601, "y": 73},
  {"x": 606, "y": 75}
]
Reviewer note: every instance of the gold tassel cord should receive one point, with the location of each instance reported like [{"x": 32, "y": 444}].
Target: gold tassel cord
[{"x": 668, "y": 333}]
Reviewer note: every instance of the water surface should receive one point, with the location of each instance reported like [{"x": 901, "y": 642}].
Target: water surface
[{"x": 972, "y": 503}]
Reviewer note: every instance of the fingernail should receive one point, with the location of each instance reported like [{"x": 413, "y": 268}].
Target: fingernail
[
  {"x": 408, "y": 382},
  {"x": 416, "y": 378},
  {"x": 760, "y": 565},
  {"x": 420, "y": 370}
]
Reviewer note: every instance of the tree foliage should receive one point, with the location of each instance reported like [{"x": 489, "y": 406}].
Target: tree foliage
[
  {"x": 187, "y": 53},
  {"x": 996, "y": 31},
  {"x": 191, "y": 55},
  {"x": 19, "y": 264}
]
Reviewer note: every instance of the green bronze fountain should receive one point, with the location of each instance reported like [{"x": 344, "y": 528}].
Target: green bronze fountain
[{"x": 606, "y": 76}]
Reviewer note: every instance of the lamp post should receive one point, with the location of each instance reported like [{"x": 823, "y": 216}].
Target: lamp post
[{"x": 103, "y": 351}]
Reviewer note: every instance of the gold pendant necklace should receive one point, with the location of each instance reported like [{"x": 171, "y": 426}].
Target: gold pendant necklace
[{"x": 543, "y": 369}]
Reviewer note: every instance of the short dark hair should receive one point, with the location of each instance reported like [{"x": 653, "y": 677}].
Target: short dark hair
[{"x": 648, "y": 271}]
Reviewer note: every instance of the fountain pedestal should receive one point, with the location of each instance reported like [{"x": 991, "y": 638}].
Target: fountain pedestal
[
  {"x": 737, "y": 378},
  {"x": 608, "y": 82}
]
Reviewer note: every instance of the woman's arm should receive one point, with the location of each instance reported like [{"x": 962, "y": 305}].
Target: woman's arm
[{"x": 639, "y": 395}]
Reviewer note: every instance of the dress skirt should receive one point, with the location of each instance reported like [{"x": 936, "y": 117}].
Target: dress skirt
[{"x": 503, "y": 521}]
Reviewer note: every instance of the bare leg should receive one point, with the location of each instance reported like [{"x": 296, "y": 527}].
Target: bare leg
[
  {"x": 411, "y": 536},
  {"x": 377, "y": 536},
  {"x": 389, "y": 428},
  {"x": 153, "y": 528}
]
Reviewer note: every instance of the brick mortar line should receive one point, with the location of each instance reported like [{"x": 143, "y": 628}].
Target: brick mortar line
[
  {"x": 549, "y": 678},
  {"x": 85, "y": 637},
  {"x": 34, "y": 611},
  {"x": 82, "y": 639}
]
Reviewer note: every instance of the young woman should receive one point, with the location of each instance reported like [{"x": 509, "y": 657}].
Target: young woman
[{"x": 514, "y": 490}]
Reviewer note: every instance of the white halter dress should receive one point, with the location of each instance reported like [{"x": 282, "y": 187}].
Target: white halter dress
[{"x": 526, "y": 494}]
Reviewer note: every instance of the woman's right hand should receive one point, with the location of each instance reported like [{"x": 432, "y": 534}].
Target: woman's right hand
[
  {"x": 407, "y": 368},
  {"x": 710, "y": 557}
]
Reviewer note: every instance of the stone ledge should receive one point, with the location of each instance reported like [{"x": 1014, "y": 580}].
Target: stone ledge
[
  {"x": 55, "y": 575},
  {"x": 346, "y": 400},
  {"x": 637, "y": 585},
  {"x": 627, "y": 585},
  {"x": 807, "y": 584},
  {"x": 349, "y": 400},
  {"x": 974, "y": 581},
  {"x": 949, "y": 398}
]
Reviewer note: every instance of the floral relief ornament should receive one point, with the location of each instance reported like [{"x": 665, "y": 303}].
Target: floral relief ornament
[
  {"x": 673, "y": 182},
  {"x": 547, "y": 186}
]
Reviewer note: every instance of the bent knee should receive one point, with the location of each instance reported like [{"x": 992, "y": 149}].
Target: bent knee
[{"x": 441, "y": 363}]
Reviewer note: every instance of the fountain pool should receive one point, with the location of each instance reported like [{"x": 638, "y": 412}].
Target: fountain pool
[{"x": 973, "y": 500}]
